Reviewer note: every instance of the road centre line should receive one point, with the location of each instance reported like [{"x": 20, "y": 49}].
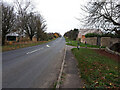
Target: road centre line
[
  {"x": 37, "y": 50},
  {"x": 47, "y": 46},
  {"x": 34, "y": 51}
]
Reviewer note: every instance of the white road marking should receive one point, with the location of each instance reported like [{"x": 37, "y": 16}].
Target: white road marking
[
  {"x": 34, "y": 51},
  {"x": 47, "y": 45}
]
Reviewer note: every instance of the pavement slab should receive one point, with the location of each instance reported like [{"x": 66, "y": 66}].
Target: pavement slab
[{"x": 72, "y": 79}]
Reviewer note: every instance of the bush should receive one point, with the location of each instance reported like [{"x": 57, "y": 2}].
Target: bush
[
  {"x": 103, "y": 35},
  {"x": 110, "y": 35},
  {"x": 72, "y": 34},
  {"x": 92, "y": 35}
]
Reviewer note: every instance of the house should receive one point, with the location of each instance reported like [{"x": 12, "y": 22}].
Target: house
[
  {"x": 83, "y": 32},
  {"x": 12, "y": 36},
  {"x": 15, "y": 37}
]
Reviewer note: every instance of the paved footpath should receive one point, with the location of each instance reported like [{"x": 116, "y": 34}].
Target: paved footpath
[{"x": 72, "y": 79}]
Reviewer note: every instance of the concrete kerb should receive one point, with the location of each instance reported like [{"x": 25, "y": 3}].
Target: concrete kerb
[{"x": 61, "y": 70}]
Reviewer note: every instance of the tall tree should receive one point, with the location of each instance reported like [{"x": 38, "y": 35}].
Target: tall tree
[
  {"x": 29, "y": 22},
  {"x": 8, "y": 19},
  {"x": 103, "y": 14},
  {"x": 40, "y": 27},
  {"x": 29, "y": 25},
  {"x": 22, "y": 8},
  {"x": 72, "y": 34}
]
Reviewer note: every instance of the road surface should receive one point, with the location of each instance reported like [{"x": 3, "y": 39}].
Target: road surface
[{"x": 33, "y": 67}]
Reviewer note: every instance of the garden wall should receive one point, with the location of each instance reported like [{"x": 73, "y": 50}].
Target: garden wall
[
  {"x": 108, "y": 41},
  {"x": 115, "y": 40},
  {"x": 91, "y": 40},
  {"x": 104, "y": 41}
]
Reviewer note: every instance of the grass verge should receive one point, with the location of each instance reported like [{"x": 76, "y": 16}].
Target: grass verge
[
  {"x": 74, "y": 43},
  {"x": 23, "y": 45},
  {"x": 96, "y": 70}
]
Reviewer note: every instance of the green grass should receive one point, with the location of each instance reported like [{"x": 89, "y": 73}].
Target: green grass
[
  {"x": 96, "y": 70},
  {"x": 74, "y": 43},
  {"x": 23, "y": 45}
]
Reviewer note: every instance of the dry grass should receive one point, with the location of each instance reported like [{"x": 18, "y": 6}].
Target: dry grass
[{"x": 18, "y": 45}]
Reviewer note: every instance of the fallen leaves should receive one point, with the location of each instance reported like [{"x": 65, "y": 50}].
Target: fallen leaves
[{"x": 96, "y": 72}]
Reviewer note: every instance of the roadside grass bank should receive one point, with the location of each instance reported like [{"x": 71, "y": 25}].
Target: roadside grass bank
[
  {"x": 96, "y": 70},
  {"x": 74, "y": 43},
  {"x": 23, "y": 45}
]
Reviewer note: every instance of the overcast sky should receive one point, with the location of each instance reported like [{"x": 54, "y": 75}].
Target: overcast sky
[{"x": 60, "y": 15}]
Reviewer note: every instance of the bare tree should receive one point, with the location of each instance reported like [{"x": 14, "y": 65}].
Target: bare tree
[
  {"x": 8, "y": 19},
  {"x": 23, "y": 20},
  {"x": 30, "y": 25},
  {"x": 40, "y": 27},
  {"x": 29, "y": 22},
  {"x": 103, "y": 14},
  {"x": 22, "y": 7}
]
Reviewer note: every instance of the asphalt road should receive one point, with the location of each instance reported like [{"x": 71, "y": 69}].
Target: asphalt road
[{"x": 33, "y": 67}]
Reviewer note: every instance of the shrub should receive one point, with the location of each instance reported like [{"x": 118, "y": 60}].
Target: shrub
[
  {"x": 110, "y": 35},
  {"x": 92, "y": 35},
  {"x": 103, "y": 35}
]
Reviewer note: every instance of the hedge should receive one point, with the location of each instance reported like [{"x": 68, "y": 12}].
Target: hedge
[{"x": 103, "y": 35}]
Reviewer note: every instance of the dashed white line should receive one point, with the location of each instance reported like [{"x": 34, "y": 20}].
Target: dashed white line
[
  {"x": 34, "y": 51},
  {"x": 47, "y": 45}
]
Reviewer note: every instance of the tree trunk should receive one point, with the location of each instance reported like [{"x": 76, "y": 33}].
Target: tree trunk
[
  {"x": 37, "y": 39},
  {"x": 30, "y": 38},
  {"x": 3, "y": 40}
]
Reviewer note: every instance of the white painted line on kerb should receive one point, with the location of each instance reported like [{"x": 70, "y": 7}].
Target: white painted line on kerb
[{"x": 34, "y": 51}]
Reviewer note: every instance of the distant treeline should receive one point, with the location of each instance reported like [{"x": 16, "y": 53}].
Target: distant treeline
[{"x": 72, "y": 34}]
